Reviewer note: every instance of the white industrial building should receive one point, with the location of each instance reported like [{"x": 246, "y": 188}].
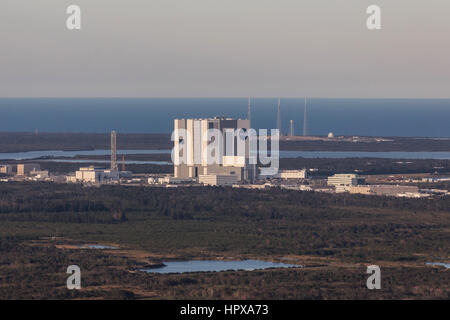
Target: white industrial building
[
  {"x": 25, "y": 168},
  {"x": 292, "y": 174},
  {"x": 169, "y": 180},
  {"x": 6, "y": 169},
  {"x": 192, "y": 146},
  {"x": 39, "y": 174},
  {"x": 385, "y": 190},
  {"x": 345, "y": 180},
  {"x": 96, "y": 175},
  {"x": 92, "y": 174},
  {"x": 217, "y": 180}
]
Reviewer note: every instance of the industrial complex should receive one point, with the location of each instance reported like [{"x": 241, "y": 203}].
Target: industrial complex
[{"x": 232, "y": 166}]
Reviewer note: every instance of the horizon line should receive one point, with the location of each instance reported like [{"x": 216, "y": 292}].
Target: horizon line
[{"x": 219, "y": 97}]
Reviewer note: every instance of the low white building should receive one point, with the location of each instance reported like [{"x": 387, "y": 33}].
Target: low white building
[
  {"x": 171, "y": 180},
  {"x": 6, "y": 169},
  {"x": 413, "y": 195},
  {"x": 385, "y": 190},
  {"x": 71, "y": 179},
  {"x": 345, "y": 179},
  {"x": 39, "y": 174},
  {"x": 96, "y": 175},
  {"x": 297, "y": 188},
  {"x": 292, "y": 174},
  {"x": 217, "y": 180}
]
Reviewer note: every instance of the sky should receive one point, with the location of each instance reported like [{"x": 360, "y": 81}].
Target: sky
[{"x": 225, "y": 48}]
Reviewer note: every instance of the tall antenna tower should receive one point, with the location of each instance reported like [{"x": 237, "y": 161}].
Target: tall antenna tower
[
  {"x": 305, "y": 120},
  {"x": 279, "y": 116},
  {"x": 249, "y": 112},
  {"x": 291, "y": 133},
  {"x": 113, "y": 151}
]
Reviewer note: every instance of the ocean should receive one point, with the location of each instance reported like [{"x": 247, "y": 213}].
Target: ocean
[{"x": 365, "y": 117}]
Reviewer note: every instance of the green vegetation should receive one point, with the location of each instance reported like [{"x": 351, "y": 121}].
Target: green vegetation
[
  {"x": 368, "y": 166},
  {"x": 397, "y": 144},
  {"x": 24, "y": 141},
  {"x": 27, "y": 141},
  {"x": 334, "y": 236}
]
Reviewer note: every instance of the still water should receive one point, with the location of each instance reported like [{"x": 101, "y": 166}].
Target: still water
[
  {"x": 283, "y": 154},
  {"x": 97, "y": 246},
  {"x": 441, "y": 264},
  {"x": 55, "y": 153},
  {"x": 108, "y": 161},
  {"x": 361, "y": 117},
  {"x": 216, "y": 266}
]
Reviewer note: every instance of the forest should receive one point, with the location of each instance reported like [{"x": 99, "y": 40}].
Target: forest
[
  {"x": 29, "y": 141},
  {"x": 333, "y": 236}
]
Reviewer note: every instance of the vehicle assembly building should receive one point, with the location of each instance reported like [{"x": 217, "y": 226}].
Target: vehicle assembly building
[{"x": 191, "y": 147}]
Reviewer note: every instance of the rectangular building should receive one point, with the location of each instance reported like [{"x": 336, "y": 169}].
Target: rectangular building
[
  {"x": 96, "y": 175},
  {"x": 345, "y": 180},
  {"x": 384, "y": 190},
  {"x": 6, "y": 169},
  {"x": 39, "y": 174},
  {"x": 192, "y": 148},
  {"x": 292, "y": 174},
  {"x": 26, "y": 168},
  {"x": 217, "y": 180}
]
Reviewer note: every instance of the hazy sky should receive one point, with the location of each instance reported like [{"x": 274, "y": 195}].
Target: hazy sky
[{"x": 225, "y": 48}]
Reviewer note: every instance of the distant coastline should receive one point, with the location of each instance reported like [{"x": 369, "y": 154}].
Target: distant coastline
[
  {"x": 342, "y": 117},
  {"x": 11, "y": 142}
]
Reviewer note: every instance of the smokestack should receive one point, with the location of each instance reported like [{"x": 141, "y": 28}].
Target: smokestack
[
  {"x": 279, "y": 116},
  {"x": 291, "y": 133},
  {"x": 113, "y": 151},
  {"x": 305, "y": 120}
]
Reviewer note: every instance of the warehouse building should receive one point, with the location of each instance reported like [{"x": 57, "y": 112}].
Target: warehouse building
[
  {"x": 345, "y": 180},
  {"x": 217, "y": 180},
  {"x": 96, "y": 175},
  {"x": 385, "y": 190},
  {"x": 292, "y": 174}
]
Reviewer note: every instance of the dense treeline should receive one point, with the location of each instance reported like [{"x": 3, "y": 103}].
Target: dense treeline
[
  {"x": 27, "y": 141},
  {"x": 33, "y": 272},
  {"x": 189, "y": 203},
  {"x": 397, "y": 144},
  {"x": 367, "y": 166},
  {"x": 334, "y": 236}
]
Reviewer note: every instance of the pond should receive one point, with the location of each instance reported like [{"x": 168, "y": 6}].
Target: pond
[
  {"x": 216, "y": 266},
  {"x": 440, "y": 264},
  {"x": 107, "y": 161},
  {"x": 97, "y": 246},
  {"x": 27, "y": 155}
]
